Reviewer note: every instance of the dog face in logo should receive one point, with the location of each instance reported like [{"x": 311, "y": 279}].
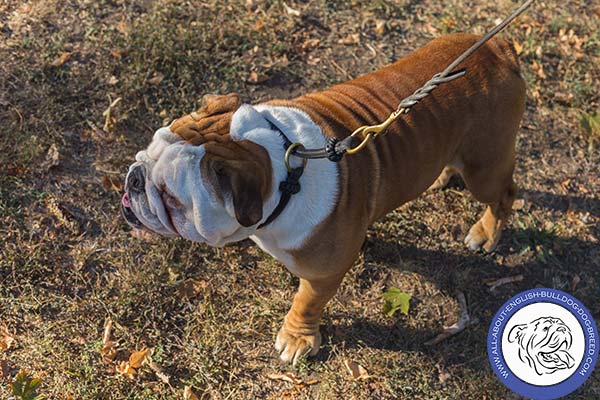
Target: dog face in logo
[{"x": 544, "y": 344}]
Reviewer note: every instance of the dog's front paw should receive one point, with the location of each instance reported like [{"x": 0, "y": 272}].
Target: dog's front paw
[{"x": 291, "y": 346}]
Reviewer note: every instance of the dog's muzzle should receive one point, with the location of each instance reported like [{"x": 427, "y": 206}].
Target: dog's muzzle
[{"x": 135, "y": 185}]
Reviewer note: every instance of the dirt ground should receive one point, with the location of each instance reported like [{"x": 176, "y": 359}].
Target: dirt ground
[{"x": 84, "y": 84}]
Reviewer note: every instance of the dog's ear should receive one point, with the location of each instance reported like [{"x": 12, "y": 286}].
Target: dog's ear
[
  {"x": 210, "y": 122},
  {"x": 247, "y": 119},
  {"x": 516, "y": 333},
  {"x": 244, "y": 178}
]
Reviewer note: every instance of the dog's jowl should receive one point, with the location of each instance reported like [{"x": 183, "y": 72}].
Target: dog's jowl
[{"x": 214, "y": 176}]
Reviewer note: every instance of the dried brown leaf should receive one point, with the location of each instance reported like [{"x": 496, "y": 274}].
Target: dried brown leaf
[
  {"x": 191, "y": 288},
  {"x": 188, "y": 394},
  {"x": 112, "y": 182},
  {"x": 7, "y": 340},
  {"x": 350, "y": 39},
  {"x": 518, "y": 47},
  {"x": 138, "y": 358},
  {"x": 4, "y": 369},
  {"x": 61, "y": 60},
  {"x": 125, "y": 369},
  {"x": 286, "y": 376},
  {"x": 124, "y": 28},
  {"x": 380, "y": 27},
  {"x": 156, "y": 79},
  {"x": 356, "y": 370},
  {"x": 256, "y": 78},
  {"x": 52, "y": 158}
]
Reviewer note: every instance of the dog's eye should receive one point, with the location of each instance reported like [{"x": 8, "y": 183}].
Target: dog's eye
[
  {"x": 170, "y": 200},
  {"x": 546, "y": 329}
]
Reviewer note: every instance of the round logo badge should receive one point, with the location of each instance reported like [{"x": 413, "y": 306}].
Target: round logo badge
[{"x": 542, "y": 344}]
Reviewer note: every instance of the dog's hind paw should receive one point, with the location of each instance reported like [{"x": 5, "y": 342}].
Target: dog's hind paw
[
  {"x": 478, "y": 238},
  {"x": 291, "y": 346}
]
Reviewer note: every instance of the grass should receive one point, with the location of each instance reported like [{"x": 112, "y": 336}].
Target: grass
[{"x": 68, "y": 261}]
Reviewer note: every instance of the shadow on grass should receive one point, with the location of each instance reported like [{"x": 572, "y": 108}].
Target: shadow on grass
[{"x": 551, "y": 261}]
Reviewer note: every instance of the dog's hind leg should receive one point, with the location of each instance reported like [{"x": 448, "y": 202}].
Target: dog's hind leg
[{"x": 498, "y": 191}]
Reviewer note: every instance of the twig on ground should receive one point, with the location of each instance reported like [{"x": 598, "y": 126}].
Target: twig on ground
[
  {"x": 464, "y": 320},
  {"x": 503, "y": 281}
]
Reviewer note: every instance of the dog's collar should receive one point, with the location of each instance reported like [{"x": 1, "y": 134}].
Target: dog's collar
[{"x": 290, "y": 186}]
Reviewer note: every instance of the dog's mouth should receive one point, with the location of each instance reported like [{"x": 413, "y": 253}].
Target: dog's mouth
[{"x": 128, "y": 213}]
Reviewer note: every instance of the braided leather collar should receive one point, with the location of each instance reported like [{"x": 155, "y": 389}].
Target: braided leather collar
[{"x": 290, "y": 186}]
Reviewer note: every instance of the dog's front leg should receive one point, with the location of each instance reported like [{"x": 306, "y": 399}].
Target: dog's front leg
[{"x": 300, "y": 334}]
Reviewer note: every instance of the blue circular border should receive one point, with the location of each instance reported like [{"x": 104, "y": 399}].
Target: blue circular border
[{"x": 542, "y": 392}]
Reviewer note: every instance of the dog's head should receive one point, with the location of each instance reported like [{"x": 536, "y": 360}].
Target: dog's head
[
  {"x": 544, "y": 344},
  {"x": 195, "y": 181}
]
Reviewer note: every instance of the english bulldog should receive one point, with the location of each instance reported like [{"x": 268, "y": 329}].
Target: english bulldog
[
  {"x": 215, "y": 176},
  {"x": 544, "y": 344}
]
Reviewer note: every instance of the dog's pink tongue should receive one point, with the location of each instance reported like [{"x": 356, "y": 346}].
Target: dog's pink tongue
[{"x": 125, "y": 201}]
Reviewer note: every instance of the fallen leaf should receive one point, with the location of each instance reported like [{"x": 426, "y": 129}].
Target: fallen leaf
[
  {"x": 380, "y": 27},
  {"x": 287, "y": 377},
  {"x": 518, "y": 47},
  {"x": 538, "y": 69},
  {"x": 7, "y": 340},
  {"x": 563, "y": 97},
  {"x": 443, "y": 377},
  {"x": 291, "y": 11},
  {"x": 350, "y": 39},
  {"x": 138, "y": 358},
  {"x": 61, "y": 60},
  {"x": 52, "y": 158},
  {"x": 256, "y": 79},
  {"x": 24, "y": 387},
  {"x": 575, "y": 282},
  {"x": 188, "y": 394},
  {"x": 112, "y": 80},
  {"x": 156, "y": 79},
  {"x": 356, "y": 370},
  {"x": 191, "y": 288},
  {"x": 124, "y": 28},
  {"x": 125, "y": 369},
  {"x": 396, "y": 300},
  {"x": 112, "y": 182},
  {"x": 4, "y": 369},
  {"x": 518, "y": 204}
]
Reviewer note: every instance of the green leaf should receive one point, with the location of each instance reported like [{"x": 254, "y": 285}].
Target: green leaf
[
  {"x": 396, "y": 300},
  {"x": 24, "y": 387}
]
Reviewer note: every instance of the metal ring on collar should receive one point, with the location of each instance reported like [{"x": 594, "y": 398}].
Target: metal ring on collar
[{"x": 289, "y": 152}]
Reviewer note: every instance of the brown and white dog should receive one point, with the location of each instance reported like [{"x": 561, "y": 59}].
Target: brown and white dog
[{"x": 213, "y": 176}]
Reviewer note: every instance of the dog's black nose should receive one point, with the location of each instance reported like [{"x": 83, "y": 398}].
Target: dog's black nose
[{"x": 136, "y": 182}]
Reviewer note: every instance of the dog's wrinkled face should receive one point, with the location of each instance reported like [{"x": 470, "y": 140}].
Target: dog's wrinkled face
[
  {"x": 195, "y": 182},
  {"x": 544, "y": 344}
]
